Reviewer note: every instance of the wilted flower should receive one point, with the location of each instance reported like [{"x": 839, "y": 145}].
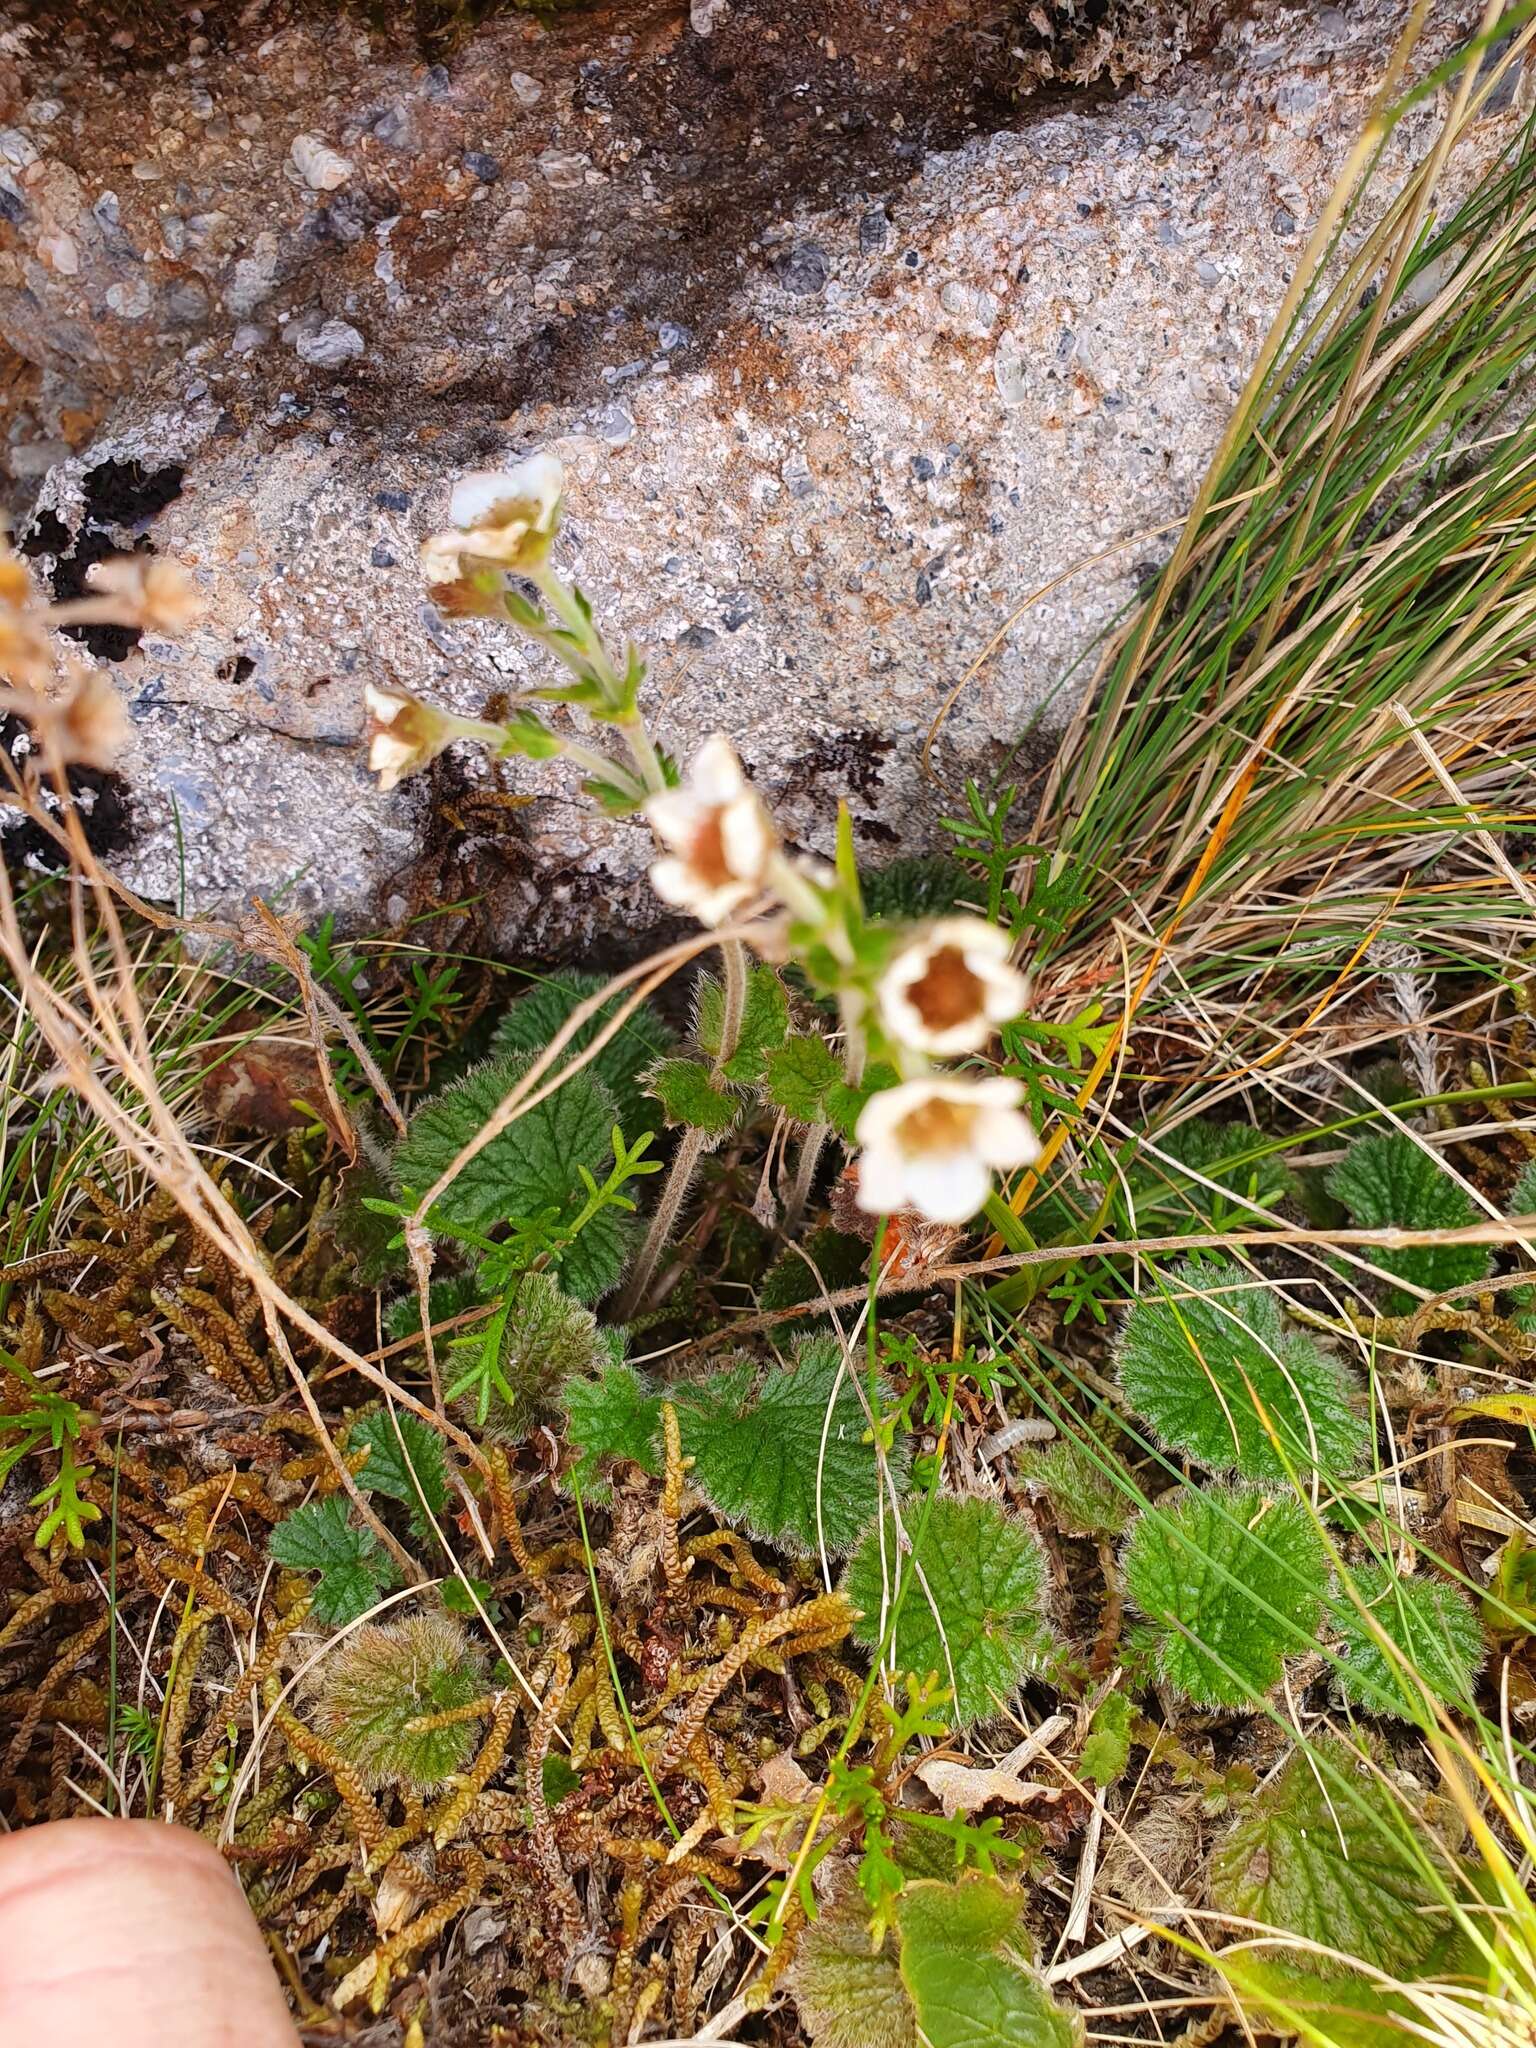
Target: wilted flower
[
  {"x": 719, "y": 835},
  {"x": 948, "y": 991},
  {"x": 87, "y": 728},
  {"x": 404, "y": 733},
  {"x": 502, "y": 517},
  {"x": 147, "y": 591},
  {"x": 932, "y": 1145}
]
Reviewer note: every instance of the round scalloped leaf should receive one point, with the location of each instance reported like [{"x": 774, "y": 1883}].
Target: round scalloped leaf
[
  {"x": 529, "y": 1169},
  {"x": 1221, "y": 1375},
  {"x": 788, "y": 1453},
  {"x": 1234, "y": 1582},
  {"x": 1389, "y": 1180},
  {"x": 1434, "y": 1625},
  {"x": 973, "y": 1611},
  {"x": 963, "y": 1952},
  {"x": 1328, "y": 1853}
]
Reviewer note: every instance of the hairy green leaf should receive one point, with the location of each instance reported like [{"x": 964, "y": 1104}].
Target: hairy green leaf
[
  {"x": 1218, "y": 1371},
  {"x": 917, "y": 886},
  {"x": 1432, "y": 1623},
  {"x": 690, "y": 1095},
  {"x": 1084, "y": 1498},
  {"x": 447, "y": 1297},
  {"x": 545, "y": 1340},
  {"x": 799, "y": 1074},
  {"x": 405, "y": 1465},
  {"x": 973, "y": 1609},
  {"x": 617, "y": 1414},
  {"x": 374, "y": 1686},
  {"x": 642, "y": 1039},
  {"x": 848, "y": 1996},
  {"x": 789, "y": 1452},
  {"x": 1389, "y": 1180},
  {"x": 1216, "y": 1151},
  {"x": 1108, "y": 1748},
  {"x": 960, "y": 1961},
  {"x": 353, "y": 1568},
  {"x": 530, "y": 1170},
  {"x": 1325, "y": 1851},
  {"x": 764, "y": 1022},
  {"x": 1234, "y": 1580}
]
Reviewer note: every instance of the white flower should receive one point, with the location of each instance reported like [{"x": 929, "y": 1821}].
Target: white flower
[
  {"x": 719, "y": 836},
  {"x": 932, "y": 1145},
  {"x": 949, "y": 990},
  {"x": 506, "y": 517},
  {"x": 404, "y": 734}
]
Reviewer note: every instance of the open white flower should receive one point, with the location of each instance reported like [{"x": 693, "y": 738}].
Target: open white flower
[
  {"x": 933, "y": 1145},
  {"x": 947, "y": 992},
  {"x": 506, "y": 517},
  {"x": 718, "y": 835},
  {"x": 404, "y": 734}
]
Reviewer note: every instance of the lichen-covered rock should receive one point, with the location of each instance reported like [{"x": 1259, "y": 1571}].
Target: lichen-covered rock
[{"x": 834, "y": 407}]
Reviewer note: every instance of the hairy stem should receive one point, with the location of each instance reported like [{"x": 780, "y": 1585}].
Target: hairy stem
[
  {"x": 733, "y": 961},
  {"x": 685, "y": 1164},
  {"x": 811, "y": 1147}
]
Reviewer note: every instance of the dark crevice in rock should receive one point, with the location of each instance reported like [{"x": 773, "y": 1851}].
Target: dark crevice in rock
[
  {"x": 121, "y": 500},
  {"x": 101, "y": 802}
]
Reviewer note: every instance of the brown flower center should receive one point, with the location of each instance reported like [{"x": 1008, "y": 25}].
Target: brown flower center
[
  {"x": 707, "y": 856},
  {"x": 936, "y": 1126},
  {"x": 947, "y": 993}
]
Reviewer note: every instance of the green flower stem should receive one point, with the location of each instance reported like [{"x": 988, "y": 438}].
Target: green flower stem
[
  {"x": 643, "y": 748},
  {"x": 595, "y": 765},
  {"x": 733, "y": 961}
]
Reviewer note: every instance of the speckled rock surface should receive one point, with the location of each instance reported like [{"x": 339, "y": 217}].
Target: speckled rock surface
[{"x": 829, "y": 417}]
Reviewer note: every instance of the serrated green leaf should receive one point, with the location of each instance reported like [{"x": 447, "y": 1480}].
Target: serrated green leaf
[
  {"x": 1217, "y": 1151},
  {"x": 1084, "y": 1498},
  {"x": 958, "y": 1965},
  {"x": 689, "y": 1094},
  {"x": 1389, "y": 1180},
  {"x": 975, "y": 1615},
  {"x": 799, "y": 1072},
  {"x": 353, "y": 1568},
  {"x": 533, "y": 1019},
  {"x": 1434, "y": 1625},
  {"x": 406, "y": 1466},
  {"x": 1234, "y": 1580},
  {"x": 1522, "y": 1196},
  {"x": 917, "y": 886},
  {"x": 787, "y": 1453},
  {"x": 1350, "y": 2011},
  {"x": 1327, "y": 1853},
  {"x": 446, "y": 1297},
  {"x": 617, "y": 1414},
  {"x": 1221, "y": 1375},
  {"x": 531, "y": 1169},
  {"x": 764, "y": 1022},
  {"x": 848, "y": 1996},
  {"x": 1107, "y": 1750}
]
